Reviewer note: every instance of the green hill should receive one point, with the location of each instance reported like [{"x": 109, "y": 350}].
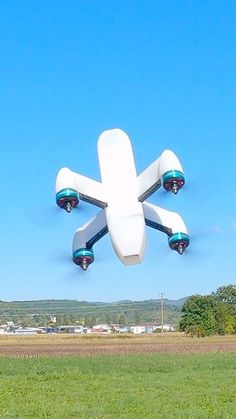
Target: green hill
[{"x": 40, "y": 312}]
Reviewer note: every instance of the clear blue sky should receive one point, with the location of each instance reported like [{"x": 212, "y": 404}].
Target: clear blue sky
[{"x": 163, "y": 71}]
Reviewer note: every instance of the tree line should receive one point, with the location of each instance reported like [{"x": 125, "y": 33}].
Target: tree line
[{"x": 205, "y": 315}]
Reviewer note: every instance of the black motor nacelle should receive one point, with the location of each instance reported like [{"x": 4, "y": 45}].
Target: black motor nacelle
[
  {"x": 173, "y": 181},
  {"x": 67, "y": 199},
  {"x": 83, "y": 258},
  {"x": 178, "y": 242}
]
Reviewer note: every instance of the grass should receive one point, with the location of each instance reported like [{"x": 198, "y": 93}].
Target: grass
[{"x": 134, "y": 386}]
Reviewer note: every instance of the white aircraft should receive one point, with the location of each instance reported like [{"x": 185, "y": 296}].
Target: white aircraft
[{"x": 122, "y": 196}]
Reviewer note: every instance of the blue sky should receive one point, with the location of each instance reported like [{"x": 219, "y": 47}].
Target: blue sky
[{"x": 163, "y": 71}]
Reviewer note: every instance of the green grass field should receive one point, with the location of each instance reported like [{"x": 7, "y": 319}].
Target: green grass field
[{"x": 133, "y": 386}]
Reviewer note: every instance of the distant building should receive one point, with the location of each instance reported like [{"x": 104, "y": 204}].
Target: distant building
[
  {"x": 138, "y": 329},
  {"x": 166, "y": 327},
  {"x": 71, "y": 329},
  {"x": 100, "y": 328},
  {"x": 120, "y": 329},
  {"x": 26, "y": 331}
]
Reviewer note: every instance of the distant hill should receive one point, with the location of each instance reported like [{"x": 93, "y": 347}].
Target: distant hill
[{"x": 41, "y": 312}]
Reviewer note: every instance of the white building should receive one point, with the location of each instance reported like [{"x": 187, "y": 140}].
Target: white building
[
  {"x": 138, "y": 329},
  {"x": 166, "y": 327}
]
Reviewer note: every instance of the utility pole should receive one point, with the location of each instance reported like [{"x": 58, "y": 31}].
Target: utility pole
[{"x": 162, "y": 312}]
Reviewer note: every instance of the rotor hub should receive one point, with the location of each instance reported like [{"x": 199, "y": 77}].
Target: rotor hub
[
  {"x": 173, "y": 181},
  {"x": 179, "y": 242},
  {"x": 67, "y": 199},
  {"x": 83, "y": 258}
]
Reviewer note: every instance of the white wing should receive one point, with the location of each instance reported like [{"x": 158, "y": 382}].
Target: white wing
[
  {"x": 151, "y": 178},
  {"x": 89, "y": 190},
  {"x": 148, "y": 181},
  {"x": 167, "y": 221},
  {"x": 87, "y": 235}
]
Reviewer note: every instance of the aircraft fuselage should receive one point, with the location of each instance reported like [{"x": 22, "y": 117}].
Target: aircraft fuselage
[{"x": 124, "y": 213}]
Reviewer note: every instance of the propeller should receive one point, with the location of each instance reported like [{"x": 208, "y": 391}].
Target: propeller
[
  {"x": 199, "y": 242},
  {"x": 65, "y": 259},
  {"x": 189, "y": 190},
  {"x": 47, "y": 215}
]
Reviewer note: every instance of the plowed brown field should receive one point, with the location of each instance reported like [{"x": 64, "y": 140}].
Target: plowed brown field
[{"x": 59, "y": 345}]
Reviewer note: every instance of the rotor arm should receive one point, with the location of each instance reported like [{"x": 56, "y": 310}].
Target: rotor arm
[
  {"x": 166, "y": 171},
  {"x": 89, "y": 190},
  {"x": 85, "y": 237},
  {"x": 169, "y": 223},
  {"x": 149, "y": 181}
]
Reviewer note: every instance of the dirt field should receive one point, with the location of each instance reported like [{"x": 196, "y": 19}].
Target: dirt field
[{"x": 54, "y": 345}]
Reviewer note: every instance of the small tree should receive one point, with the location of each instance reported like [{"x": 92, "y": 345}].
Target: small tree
[
  {"x": 122, "y": 319},
  {"x": 198, "y": 315},
  {"x": 226, "y": 309}
]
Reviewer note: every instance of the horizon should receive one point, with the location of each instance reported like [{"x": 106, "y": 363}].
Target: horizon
[{"x": 94, "y": 302}]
